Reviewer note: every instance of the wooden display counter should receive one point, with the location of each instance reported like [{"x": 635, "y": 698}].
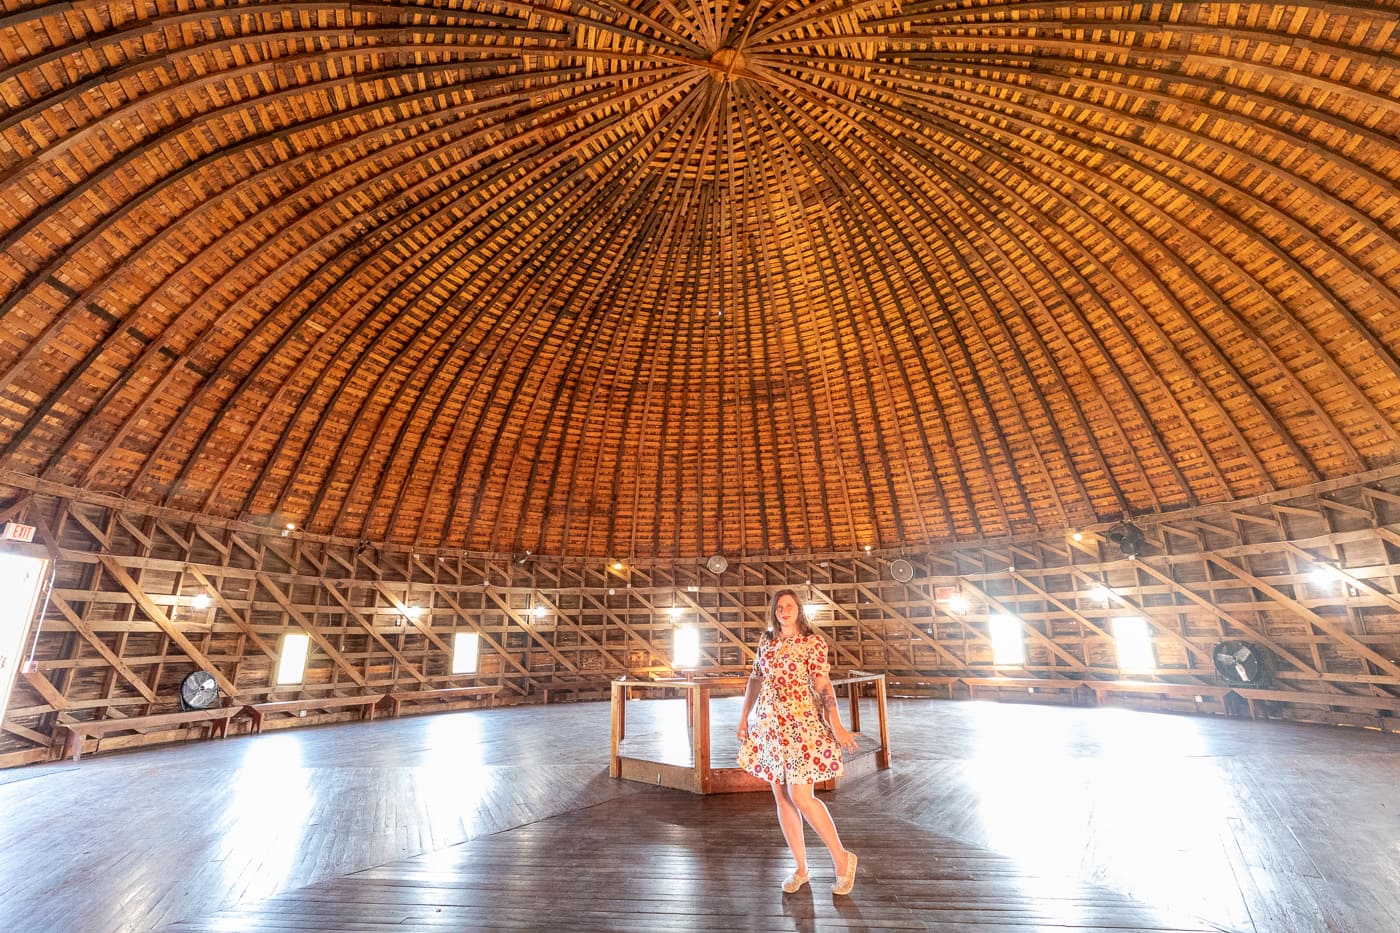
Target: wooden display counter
[{"x": 700, "y": 777}]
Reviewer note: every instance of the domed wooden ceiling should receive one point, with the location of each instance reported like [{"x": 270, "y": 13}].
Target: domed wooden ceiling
[{"x": 615, "y": 277}]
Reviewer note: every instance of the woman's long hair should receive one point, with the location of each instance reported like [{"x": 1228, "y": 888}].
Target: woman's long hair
[{"x": 775, "y": 628}]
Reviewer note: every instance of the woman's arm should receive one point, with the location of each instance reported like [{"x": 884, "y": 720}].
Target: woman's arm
[
  {"x": 831, "y": 712},
  {"x": 750, "y": 695}
]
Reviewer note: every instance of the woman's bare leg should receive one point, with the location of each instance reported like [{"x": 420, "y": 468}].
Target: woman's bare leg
[
  {"x": 790, "y": 819},
  {"x": 816, "y": 813}
]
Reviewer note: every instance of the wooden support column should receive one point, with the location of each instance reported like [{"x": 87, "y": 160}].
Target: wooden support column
[
  {"x": 700, "y": 735},
  {"x": 619, "y": 728},
  {"x": 882, "y": 757}
]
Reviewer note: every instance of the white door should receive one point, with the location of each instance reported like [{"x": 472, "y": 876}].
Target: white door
[{"x": 20, "y": 581}]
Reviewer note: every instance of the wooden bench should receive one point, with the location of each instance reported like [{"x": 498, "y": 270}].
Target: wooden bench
[
  {"x": 922, "y": 686},
  {"x": 393, "y": 702},
  {"x": 1023, "y": 685},
  {"x": 1255, "y": 698},
  {"x": 579, "y": 690},
  {"x": 1196, "y": 693},
  {"x": 366, "y": 703},
  {"x": 96, "y": 728}
]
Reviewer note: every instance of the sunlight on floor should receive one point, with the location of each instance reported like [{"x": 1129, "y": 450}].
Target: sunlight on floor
[
  {"x": 271, "y": 802},
  {"x": 1145, "y": 804}
]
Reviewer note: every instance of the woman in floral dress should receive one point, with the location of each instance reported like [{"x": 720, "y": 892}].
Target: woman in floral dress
[{"x": 798, "y": 737}]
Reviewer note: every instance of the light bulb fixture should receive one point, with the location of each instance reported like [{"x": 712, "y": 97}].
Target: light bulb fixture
[
  {"x": 540, "y": 611},
  {"x": 677, "y": 611},
  {"x": 1101, "y": 593},
  {"x": 413, "y": 612},
  {"x": 1326, "y": 575},
  {"x": 958, "y": 604},
  {"x": 201, "y": 601}
]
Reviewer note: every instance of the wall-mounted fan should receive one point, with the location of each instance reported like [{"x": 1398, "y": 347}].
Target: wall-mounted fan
[
  {"x": 1240, "y": 663},
  {"x": 1128, "y": 537},
  {"x": 199, "y": 690},
  {"x": 717, "y": 563},
  {"x": 901, "y": 570}
]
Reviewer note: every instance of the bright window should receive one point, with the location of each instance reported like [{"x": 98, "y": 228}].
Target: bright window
[
  {"x": 465, "y": 646},
  {"x": 292, "y": 666},
  {"x": 21, "y": 579},
  {"x": 1008, "y": 642},
  {"x": 1134, "y": 640},
  {"x": 687, "y": 646}
]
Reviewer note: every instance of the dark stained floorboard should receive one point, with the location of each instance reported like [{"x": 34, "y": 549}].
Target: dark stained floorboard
[{"x": 995, "y": 817}]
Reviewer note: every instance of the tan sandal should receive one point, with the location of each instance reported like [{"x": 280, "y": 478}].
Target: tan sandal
[
  {"x": 795, "y": 881},
  {"x": 847, "y": 881}
]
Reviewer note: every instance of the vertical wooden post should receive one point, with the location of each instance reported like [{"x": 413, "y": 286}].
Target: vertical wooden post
[
  {"x": 700, "y": 737},
  {"x": 619, "y": 724},
  {"x": 882, "y": 757},
  {"x": 854, "y": 690}
]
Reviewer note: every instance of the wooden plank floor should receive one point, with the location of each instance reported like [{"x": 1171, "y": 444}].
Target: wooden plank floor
[{"x": 995, "y": 817}]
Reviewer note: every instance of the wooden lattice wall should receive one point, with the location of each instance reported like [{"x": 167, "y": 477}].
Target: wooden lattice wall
[{"x": 120, "y": 630}]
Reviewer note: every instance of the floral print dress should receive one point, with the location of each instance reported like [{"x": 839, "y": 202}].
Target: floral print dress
[{"x": 791, "y": 743}]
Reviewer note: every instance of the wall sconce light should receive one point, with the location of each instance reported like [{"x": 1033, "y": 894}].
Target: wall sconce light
[
  {"x": 1326, "y": 575},
  {"x": 1329, "y": 575}
]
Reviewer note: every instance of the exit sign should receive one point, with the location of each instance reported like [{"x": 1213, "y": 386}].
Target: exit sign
[{"x": 14, "y": 531}]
